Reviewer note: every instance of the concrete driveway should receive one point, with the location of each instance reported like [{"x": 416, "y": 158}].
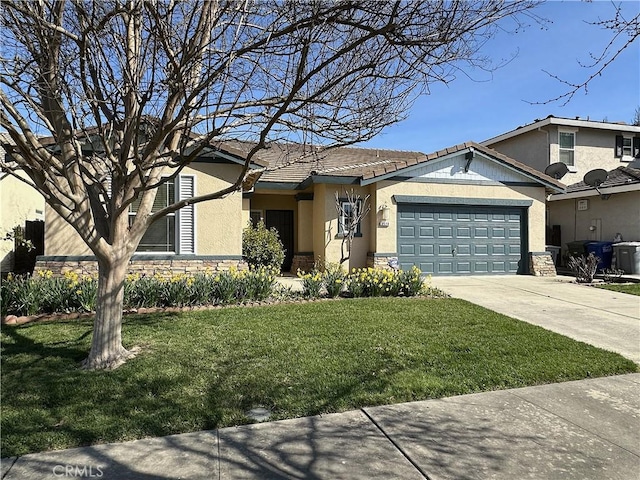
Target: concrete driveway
[{"x": 592, "y": 315}]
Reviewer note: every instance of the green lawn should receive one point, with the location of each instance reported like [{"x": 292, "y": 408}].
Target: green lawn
[
  {"x": 631, "y": 288},
  {"x": 202, "y": 370}
]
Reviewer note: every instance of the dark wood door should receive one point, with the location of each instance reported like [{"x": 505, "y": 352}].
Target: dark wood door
[{"x": 282, "y": 221}]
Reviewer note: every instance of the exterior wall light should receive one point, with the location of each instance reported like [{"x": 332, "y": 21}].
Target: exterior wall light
[{"x": 384, "y": 215}]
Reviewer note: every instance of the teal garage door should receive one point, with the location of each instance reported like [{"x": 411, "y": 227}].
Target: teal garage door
[{"x": 461, "y": 239}]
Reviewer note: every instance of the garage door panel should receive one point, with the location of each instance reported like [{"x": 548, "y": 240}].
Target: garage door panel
[
  {"x": 480, "y": 232},
  {"x": 445, "y": 249},
  {"x": 463, "y": 267},
  {"x": 449, "y": 240},
  {"x": 445, "y": 232},
  {"x": 407, "y": 231},
  {"x": 407, "y": 249},
  {"x": 426, "y": 232},
  {"x": 514, "y": 232},
  {"x": 498, "y": 232},
  {"x": 481, "y": 267},
  {"x": 444, "y": 267},
  {"x": 463, "y": 232},
  {"x": 463, "y": 249},
  {"x": 426, "y": 250}
]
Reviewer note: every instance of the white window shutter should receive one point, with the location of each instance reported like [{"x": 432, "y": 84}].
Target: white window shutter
[{"x": 186, "y": 216}]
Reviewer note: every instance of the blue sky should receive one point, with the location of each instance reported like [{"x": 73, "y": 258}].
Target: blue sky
[{"x": 495, "y": 103}]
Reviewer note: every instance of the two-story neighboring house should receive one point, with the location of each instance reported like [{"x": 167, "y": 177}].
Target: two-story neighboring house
[
  {"x": 582, "y": 145},
  {"x": 583, "y": 212}
]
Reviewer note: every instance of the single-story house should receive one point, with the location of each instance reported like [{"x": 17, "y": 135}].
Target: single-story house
[
  {"x": 463, "y": 210},
  {"x": 599, "y": 214}
]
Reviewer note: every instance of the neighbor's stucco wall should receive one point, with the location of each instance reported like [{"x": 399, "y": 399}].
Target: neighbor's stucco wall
[
  {"x": 619, "y": 214},
  {"x": 18, "y": 203},
  {"x": 218, "y": 223},
  {"x": 530, "y": 148},
  {"x": 387, "y": 237}
]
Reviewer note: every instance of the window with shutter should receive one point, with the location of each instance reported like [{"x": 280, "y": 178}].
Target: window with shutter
[
  {"x": 627, "y": 147},
  {"x": 161, "y": 234}
]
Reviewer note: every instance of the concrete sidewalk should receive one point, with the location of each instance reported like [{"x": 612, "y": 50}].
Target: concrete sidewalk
[
  {"x": 606, "y": 319},
  {"x": 575, "y": 430}
]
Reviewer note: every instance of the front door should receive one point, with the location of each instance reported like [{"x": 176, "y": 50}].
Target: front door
[{"x": 282, "y": 221}]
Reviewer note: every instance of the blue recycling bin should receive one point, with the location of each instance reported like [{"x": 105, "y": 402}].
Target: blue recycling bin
[{"x": 602, "y": 250}]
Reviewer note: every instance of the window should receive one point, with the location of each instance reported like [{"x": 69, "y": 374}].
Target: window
[
  {"x": 161, "y": 234},
  {"x": 348, "y": 217},
  {"x": 175, "y": 232},
  {"x": 627, "y": 147},
  {"x": 566, "y": 144}
]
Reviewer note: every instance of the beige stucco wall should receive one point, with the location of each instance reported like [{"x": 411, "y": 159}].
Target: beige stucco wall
[
  {"x": 218, "y": 222},
  {"x": 18, "y": 203},
  {"x": 326, "y": 244},
  {"x": 387, "y": 237},
  {"x": 619, "y": 214}
]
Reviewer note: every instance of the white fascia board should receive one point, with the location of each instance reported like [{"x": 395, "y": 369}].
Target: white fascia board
[{"x": 635, "y": 187}]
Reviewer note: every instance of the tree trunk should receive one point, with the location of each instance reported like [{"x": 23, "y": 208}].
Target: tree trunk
[{"x": 107, "y": 351}]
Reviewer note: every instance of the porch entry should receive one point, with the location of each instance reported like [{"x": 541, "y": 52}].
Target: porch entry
[{"x": 282, "y": 221}]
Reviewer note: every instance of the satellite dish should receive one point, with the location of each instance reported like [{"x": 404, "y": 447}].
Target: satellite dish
[
  {"x": 596, "y": 177},
  {"x": 556, "y": 170}
]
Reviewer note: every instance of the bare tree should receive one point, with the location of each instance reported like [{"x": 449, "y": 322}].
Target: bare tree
[
  {"x": 129, "y": 92},
  {"x": 625, "y": 32},
  {"x": 352, "y": 208}
]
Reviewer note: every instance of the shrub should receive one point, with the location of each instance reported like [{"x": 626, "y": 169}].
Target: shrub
[
  {"x": 584, "y": 268},
  {"x": 261, "y": 247}
]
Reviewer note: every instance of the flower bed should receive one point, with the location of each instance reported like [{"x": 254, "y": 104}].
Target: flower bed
[
  {"x": 363, "y": 282},
  {"x": 45, "y": 293}
]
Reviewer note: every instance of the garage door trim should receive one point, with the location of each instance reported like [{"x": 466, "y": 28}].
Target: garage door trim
[{"x": 480, "y": 202}]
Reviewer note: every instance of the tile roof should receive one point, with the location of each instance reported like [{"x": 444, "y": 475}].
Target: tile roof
[
  {"x": 618, "y": 177},
  {"x": 293, "y": 163}
]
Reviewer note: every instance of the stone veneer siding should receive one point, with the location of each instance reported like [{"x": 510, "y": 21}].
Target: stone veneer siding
[
  {"x": 303, "y": 261},
  {"x": 380, "y": 260},
  {"x": 164, "y": 265},
  {"x": 541, "y": 264}
]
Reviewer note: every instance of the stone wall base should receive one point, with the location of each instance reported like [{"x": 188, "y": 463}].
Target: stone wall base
[
  {"x": 147, "y": 265},
  {"x": 541, "y": 264}
]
